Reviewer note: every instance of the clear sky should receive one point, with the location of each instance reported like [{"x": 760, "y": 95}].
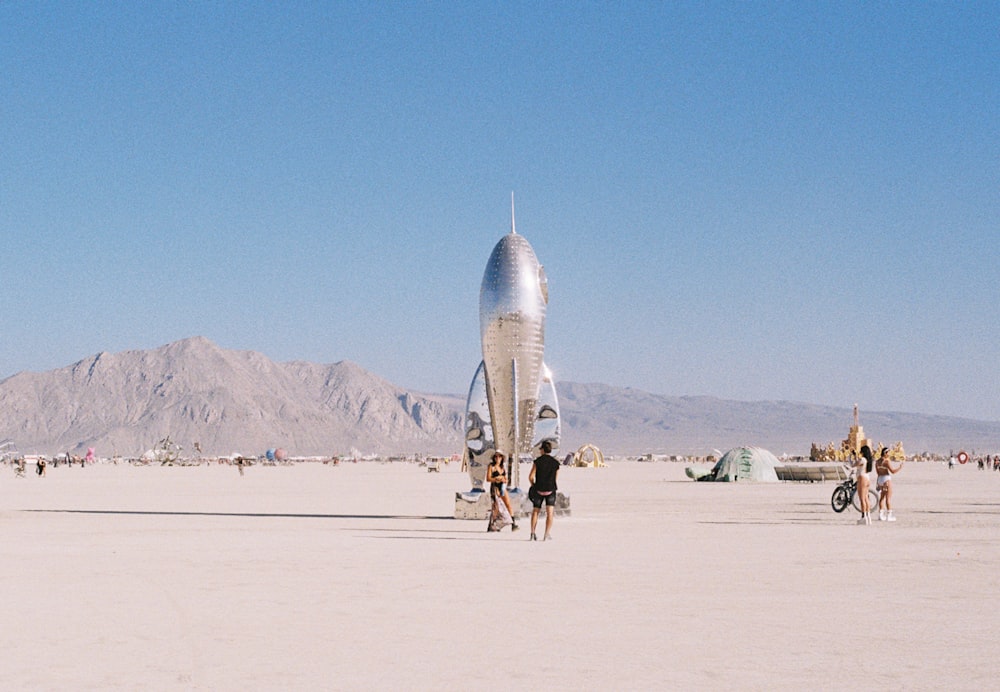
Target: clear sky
[{"x": 749, "y": 200}]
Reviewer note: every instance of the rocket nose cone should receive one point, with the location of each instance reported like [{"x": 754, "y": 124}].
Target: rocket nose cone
[
  {"x": 514, "y": 282},
  {"x": 512, "y": 265}
]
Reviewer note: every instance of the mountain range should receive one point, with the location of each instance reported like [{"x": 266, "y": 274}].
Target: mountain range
[{"x": 242, "y": 402}]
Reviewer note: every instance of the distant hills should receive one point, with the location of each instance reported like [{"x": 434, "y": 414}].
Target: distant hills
[
  {"x": 241, "y": 401},
  {"x": 228, "y": 401}
]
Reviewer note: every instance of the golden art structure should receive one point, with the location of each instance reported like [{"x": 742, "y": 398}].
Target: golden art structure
[
  {"x": 851, "y": 447},
  {"x": 588, "y": 455},
  {"x": 855, "y": 438}
]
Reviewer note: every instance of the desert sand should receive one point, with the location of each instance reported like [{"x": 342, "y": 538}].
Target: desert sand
[{"x": 356, "y": 577}]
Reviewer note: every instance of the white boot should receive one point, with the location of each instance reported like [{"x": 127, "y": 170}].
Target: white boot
[
  {"x": 890, "y": 516},
  {"x": 881, "y": 515}
]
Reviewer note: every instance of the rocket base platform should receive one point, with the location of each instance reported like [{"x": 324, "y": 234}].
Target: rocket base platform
[{"x": 475, "y": 504}]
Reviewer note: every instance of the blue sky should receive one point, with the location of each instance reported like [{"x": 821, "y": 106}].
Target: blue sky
[{"x": 746, "y": 200}]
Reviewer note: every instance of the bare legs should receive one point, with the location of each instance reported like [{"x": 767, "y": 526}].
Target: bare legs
[
  {"x": 506, "y": 501},
  {"x": 863, "y": 498},
  {"x": 513, "y": 517},
  {"x": 550, "y": 512},
  {"x": 885, "y": 502}
]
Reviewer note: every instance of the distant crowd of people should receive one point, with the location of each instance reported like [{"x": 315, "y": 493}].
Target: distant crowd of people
[
  {"x": 19, "y": 464},
  {"x": 985, "y": 463}
]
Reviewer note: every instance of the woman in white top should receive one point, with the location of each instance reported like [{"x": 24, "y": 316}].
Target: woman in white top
[{"x": 885, "y": 472}]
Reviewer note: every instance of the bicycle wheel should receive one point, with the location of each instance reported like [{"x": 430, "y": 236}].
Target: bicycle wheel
[
  {"x": 840, "y": 499},
  {"x": 872, "y": 501}
]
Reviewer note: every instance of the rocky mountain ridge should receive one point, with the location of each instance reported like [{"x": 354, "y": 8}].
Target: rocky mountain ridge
[
  {"x": 227, "y": 401},
  {"x": 241, "y": 401}
]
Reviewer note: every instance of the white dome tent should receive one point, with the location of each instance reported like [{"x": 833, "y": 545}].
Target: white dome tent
[{"x": 745, "y": 464}]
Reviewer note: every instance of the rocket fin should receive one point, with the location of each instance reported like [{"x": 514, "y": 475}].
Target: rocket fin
[
  {"x": 547, "y": 417},
  {"x": 479, "y": 444}
]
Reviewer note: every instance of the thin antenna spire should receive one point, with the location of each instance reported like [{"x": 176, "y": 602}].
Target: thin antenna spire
[{"x": 512, "y": 230}]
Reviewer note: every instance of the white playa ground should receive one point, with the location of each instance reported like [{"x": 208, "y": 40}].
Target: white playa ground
[{"x": 356, "y": 577}]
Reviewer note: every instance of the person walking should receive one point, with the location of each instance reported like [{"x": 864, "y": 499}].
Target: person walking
[
  {"x": 543, "y": 489},
  {"x": 885, "y": 471}
]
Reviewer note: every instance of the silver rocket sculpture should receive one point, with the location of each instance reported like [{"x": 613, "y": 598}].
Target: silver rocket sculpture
[{"x": 512, "y": 404}]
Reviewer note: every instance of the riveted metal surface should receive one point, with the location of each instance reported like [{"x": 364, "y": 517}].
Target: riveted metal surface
[
  {"x": 512, "y": 403},
  {"x": 512, "y": 326}
]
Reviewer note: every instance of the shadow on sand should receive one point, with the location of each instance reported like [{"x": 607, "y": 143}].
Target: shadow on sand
[{"x": 259, "y": 515}]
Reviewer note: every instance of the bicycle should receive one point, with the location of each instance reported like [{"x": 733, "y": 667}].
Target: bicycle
[{"x": 847, "y": 494}]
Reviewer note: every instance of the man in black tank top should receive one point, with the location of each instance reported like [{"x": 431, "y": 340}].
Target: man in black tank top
[{"x": 543, "y": 489}]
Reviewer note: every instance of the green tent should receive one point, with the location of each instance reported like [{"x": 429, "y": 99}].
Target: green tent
[{"x": 746, "y": 464}]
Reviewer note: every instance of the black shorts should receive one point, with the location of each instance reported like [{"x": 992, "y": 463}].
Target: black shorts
[{"x": 537, "y": 500}]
